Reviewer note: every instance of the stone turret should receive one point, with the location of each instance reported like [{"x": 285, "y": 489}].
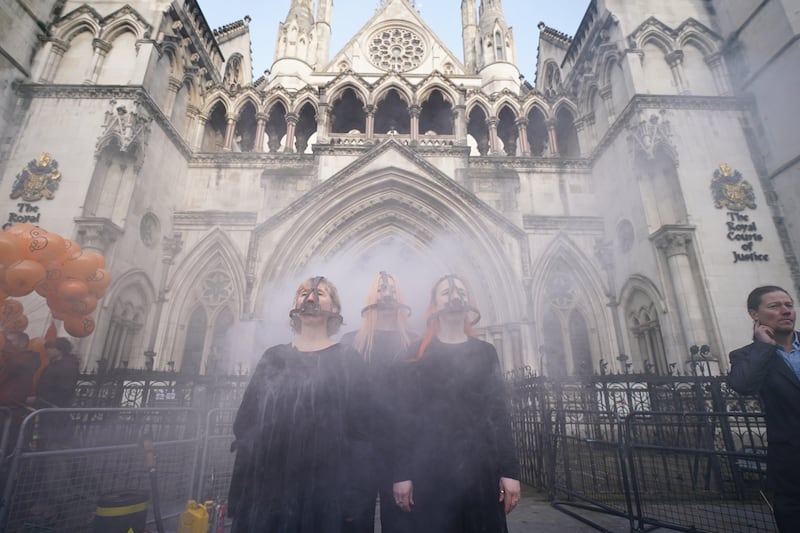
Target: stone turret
[
  {"x": 323, "y": 30},
  {"x": 496, "y": 55},
  {"x": 469, "y": 32},
  {"x": 296, "y": 48}
]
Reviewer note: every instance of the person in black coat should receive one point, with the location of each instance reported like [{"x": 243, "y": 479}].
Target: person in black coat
[
  {"x": 456, "y": 469},
  {"x": 770, "y": 367},
  {"x": 382, "y": 340},
  {"x": 299, "y": 430}
]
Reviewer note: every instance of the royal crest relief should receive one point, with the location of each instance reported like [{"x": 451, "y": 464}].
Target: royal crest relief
[
  {"x": 731, "y": 191},
  {"x": 39, "y": 179}
]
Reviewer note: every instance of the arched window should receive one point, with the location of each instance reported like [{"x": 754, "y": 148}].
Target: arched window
[
  {"x": 567, "y": 134},
  {"x": 537, "y": 133},
  {"x": 347, "y": 113},
  {"x": 499, "y": 49},
  {"x": 507, "y": 130},
  {"x": 214, "y": 134},
  {"x": 275, "y": 127},
  {"x": 392, "y": 114},
  {"x": 436, "y": 116},
  {"x": 195, "y": 341},
  {"x": 479, "y": 130},
  {"x": 645, "y": 332},
  {"x": 244, "y": 136}
]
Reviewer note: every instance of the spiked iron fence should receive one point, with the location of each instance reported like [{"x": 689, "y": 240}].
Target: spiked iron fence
[{"x": 680, "y": 452}]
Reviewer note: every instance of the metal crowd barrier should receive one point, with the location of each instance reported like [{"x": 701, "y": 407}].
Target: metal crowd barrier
[
  {"x": 693, "y": 472},
  {"x": 216, "y": 461},
  {"x": 64, "y": 460}
]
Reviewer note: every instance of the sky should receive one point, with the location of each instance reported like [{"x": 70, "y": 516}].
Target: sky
[{"x": 443, "y": 16}]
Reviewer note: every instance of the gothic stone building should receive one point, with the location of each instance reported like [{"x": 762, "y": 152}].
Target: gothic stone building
[{"x": 613, "y": 213}]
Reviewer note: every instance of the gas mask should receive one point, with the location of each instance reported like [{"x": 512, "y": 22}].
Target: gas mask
[
  {"x": 455, "y": 303},
  {"x": 387, "y": 298},
  {"x": 311, "y": 307}
]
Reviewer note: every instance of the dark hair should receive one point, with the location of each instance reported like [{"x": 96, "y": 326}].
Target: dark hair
[
  {"x": 61, "y": 344},
  {"x": 754, "y": 298}
]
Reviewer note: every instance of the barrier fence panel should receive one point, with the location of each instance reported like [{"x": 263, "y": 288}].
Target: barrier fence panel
[
  {"x": 216, "y": 462},
  {"x": 65, "y": 460},
  {"x": 588, "y": 462},
  {"x": 699, "y": 471}
]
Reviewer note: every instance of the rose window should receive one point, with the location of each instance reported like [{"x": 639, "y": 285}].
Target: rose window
[{"x": 396, "y": 49}]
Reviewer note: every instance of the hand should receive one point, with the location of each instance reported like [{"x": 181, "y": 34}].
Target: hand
[
  {"x": 763, "y": 333},
  {"x": 404, "y": 494},
  {"x": 510, "y": 493}
]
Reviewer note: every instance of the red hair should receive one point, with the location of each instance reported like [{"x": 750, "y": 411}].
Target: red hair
[{"x": 433, "y": 325}]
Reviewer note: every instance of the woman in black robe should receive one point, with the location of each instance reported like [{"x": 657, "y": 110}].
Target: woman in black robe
[
  {"x": 382, "y": 340},
  {"x": 456, "y": 467},
  {"x": 298, "y": 432}
]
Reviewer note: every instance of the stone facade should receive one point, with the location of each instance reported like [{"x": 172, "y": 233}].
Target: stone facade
[{"x": 598, "y": 214}]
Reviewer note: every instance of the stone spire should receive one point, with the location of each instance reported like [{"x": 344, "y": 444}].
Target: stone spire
[
  {"x": 469, "y": 33},
  {"x": 323, "y": 30},
  {"x": 497, "y": 39},
  {"x": 296, "y": 33}
]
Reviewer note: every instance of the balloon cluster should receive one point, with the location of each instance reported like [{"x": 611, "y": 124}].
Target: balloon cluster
[{"x": 71, "y": 279}]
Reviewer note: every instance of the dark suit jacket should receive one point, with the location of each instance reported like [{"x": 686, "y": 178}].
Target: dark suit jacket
[{"x": 758, "y": 369}]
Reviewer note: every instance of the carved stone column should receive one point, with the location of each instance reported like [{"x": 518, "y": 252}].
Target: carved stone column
[
  {"x": 674, "y": 243},
  {"x": 675, "y": 62},
  {"x": 496, "y": 333},
  {"x": 171, "y": 247},
  {"x": 605, "y": 94},
  {"x": 718, "y": 70},
  {"x": 173, "y": 86},
  {"x": 415, "y": 111},
  {"x": 97, "y": 234},
  {"x": 522, "y": 129},
  {"x": 604, "y": 251},
  {"x": 261, "y": 122},
  {"x": 552, "y": 136},
  {"x": 517, "y": 356},
  {"x": 101, "y": 49},
  {"x": 460, "y": 118},
  {"x": 57, "y": 50},
  {"x": 230, "y": 126},
  {"x": 494, "y": 143},
  {"x": 291, "y": 126},
  {"x": 199, "y": 131},
  {"x": 370, "y": 126},
  {"x": 323, "y": 118}
]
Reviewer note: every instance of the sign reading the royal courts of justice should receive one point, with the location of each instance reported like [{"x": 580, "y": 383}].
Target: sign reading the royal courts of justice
[
  {"x": 736, "y": 195},
  {"x": 39, "y": 179}
]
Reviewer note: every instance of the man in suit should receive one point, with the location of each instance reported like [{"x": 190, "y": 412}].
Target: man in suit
[{"x": 770, "y": 367}]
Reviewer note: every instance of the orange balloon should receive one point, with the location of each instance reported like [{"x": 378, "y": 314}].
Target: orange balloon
[
  {"x": 22, "y": 277},
  {"x": 84, "y": 306},
  {"x": 72, "y": 289},
  {"x": 44, "y": 246},
  {"x": 10, "y": 248},
  {"x": 19, "y": 229},
  {"x": 79, "y": 326},
  {"x": 99, "y": 282},
  {"x": 81, "y": 264},
  {"x": 57, "y": 306}
]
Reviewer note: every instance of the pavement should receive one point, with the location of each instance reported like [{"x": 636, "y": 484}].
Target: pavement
[{"x": 535, "y": 514}]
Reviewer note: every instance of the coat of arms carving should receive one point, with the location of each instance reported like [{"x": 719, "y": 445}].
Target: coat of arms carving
[
  {"x": 39, "y": 179},
  {"x": 731, "y": 191}
]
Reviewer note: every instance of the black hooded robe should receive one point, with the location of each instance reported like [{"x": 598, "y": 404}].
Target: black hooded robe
[{"x": 298, "y": 436}]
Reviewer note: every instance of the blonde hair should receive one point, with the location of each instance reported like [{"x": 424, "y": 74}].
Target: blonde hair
[
  {"x": 334, "y": 322},
  {"x": 364, "y": 340}
]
